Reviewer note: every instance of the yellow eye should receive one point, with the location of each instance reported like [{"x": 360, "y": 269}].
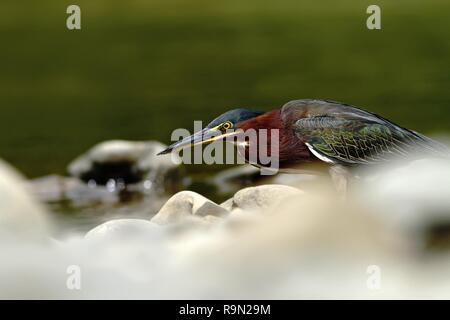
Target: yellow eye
[{"x": 227, "y": 125}]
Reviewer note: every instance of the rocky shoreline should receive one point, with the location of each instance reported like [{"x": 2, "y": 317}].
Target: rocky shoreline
[{"x": 268, "y": 240}]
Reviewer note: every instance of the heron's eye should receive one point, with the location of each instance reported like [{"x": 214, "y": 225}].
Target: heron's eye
[{"x": 227, "y": 125}]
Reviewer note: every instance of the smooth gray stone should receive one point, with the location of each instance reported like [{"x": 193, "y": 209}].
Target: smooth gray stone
[
  {"x": 185, "y": 205},
  {"x": 122, "y": 161},
  {"x": 261, "y": 196}
]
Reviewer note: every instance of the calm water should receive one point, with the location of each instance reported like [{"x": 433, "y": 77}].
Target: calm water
[{"x": 139, "y": 69}]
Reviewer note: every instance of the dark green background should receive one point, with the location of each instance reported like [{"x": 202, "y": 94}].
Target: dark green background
[{"x": 139, "y": 69}]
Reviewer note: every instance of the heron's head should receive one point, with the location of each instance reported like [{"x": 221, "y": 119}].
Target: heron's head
[{"x": 219, "y": 128}]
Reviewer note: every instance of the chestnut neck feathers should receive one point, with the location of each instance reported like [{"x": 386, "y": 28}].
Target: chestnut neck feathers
[{"x": 291, "y": 148}]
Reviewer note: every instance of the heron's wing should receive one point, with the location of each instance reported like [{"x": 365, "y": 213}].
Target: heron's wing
[{"x": 359, "y": 141}]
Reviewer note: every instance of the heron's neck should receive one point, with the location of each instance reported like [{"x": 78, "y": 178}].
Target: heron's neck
[
  {"x": 291, "y": 149},
  {"x": 268, "y": 120}
]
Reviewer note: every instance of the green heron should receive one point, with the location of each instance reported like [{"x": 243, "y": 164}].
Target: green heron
[{"x": 321, "y": 131}]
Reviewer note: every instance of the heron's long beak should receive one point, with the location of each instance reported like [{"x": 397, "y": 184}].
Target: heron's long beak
[{"x": 206, "y": 135}]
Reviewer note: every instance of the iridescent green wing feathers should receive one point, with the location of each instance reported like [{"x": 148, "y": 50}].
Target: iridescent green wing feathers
[
  {"x": 360, "y": 141},
  {"x": 341, "y": 133}
]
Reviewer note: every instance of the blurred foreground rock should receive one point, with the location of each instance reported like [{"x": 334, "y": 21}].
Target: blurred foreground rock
[
  {"x": 414, "y": 198},
  {"x": 299, "y": 244},
  {"x": 21, "y": 215},
  {"x": 123, "y": 229}
]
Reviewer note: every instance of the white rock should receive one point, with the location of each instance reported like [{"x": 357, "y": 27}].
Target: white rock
[
  {"x": 306, "y": 247},
  {"x": 186, "y": 205},
  {"x": 141, "y": 156},
  {"x": 261, "y": 196},
  {"x": 303, "y": 247},
  {"x": 228, "y": 204},
  {"x": 414, "y": 197},
  {"x": 20, "y": 214},
  {"x": 124, "y": 229}
]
